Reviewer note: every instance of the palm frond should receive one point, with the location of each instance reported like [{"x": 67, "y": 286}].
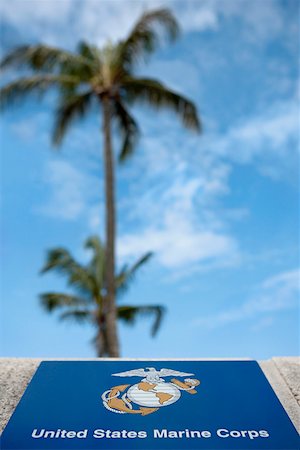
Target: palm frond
[
  {"x": 155, "y": 94},
  {"x": 89, "y": 52},
  {"x": 127, "y": 274},
  {"x": 71, "y": 109},
  {"x": 18, "y": 89},
  {"x": 145, "y": 35},
  {"x": 128, "y": 128},
  {"x": 53, "y": 300},
  {"x": 85, "y": 64},
  {"x": 61, "y": 261},
  {"x": 97, "y": 264},
  {"x": 78, "y": 315},
  {"x": 42, "y": 57},
  {"x": 129, "y": 314}
]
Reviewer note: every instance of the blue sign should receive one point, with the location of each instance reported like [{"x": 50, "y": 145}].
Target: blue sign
[{"x": 149, "y": 405}]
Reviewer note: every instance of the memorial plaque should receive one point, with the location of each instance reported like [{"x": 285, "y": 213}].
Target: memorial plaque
[{"x": 149, "y": 405}]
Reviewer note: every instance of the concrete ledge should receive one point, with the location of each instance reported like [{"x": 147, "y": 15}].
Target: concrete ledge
[
  {"x": 282, "y": 373},
  {"x": 286, "y": 387}
]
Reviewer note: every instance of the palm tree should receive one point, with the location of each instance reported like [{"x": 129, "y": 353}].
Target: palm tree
[
  {"x": 104, "y": 76},
  {"x": 87, "y": 302}
]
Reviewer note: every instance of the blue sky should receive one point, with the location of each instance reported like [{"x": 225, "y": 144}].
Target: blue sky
[{"x": 220, "y": 210}]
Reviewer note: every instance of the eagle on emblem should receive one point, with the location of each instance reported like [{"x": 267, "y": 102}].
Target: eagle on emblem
[
  {"x": 151, "y": 393},
  {"x": 152, "y": 375}
]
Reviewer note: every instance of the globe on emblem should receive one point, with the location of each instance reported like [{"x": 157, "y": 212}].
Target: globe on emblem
[{"x": 161, "y": 394}]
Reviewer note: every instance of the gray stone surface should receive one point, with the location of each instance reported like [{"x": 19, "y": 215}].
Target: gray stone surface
[
  {"x": 287, "y": 393},
  {"x": 15, "y": 375},
  {"x": 289, "y": 370},
  {"x": 282, "y": 373}
]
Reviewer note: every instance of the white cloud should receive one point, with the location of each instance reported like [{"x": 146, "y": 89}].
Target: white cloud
[
  {"x": 269, "y": 138},
  {"x": 277, "y": 293},
  {"x": 38, "y": 19},
  {"x": 93, "y": 20},
  {"x": 99, "y": 20},
  {"x": 173, "y": 229},
  {"x": 20, "y": 11},
  {"x": 178, "y": 245},
  {"x": 69, "y": 189},
  {"x": 198, "y": 16},
  {"x": 272, "y": 129},
  {"x": 262, "y": 20}
]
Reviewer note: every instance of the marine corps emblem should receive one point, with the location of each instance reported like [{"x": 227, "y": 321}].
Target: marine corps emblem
[{"x": 150, "y": 394}]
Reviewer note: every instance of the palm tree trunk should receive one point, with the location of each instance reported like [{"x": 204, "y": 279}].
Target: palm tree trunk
[
  {"x": 110, "y": 304},
  {"x": 99, "y": 344},
  {"x": 100, "y": 340}
]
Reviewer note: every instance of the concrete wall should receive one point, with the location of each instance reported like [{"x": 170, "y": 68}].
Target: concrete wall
[{"x": 282, "y": 373}]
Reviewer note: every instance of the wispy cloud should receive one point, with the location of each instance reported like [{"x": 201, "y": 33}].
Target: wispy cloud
[
  {"x": 277, "y": 293},
  {"x": 70, "y": 191},
  {"x": 178, "y": 246},
  {"x": 271, "y": 130},
  {"x": 172, "y": 227},
  {"x": 98, "y": 21},
  {"x": 269, "y": 139}
]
